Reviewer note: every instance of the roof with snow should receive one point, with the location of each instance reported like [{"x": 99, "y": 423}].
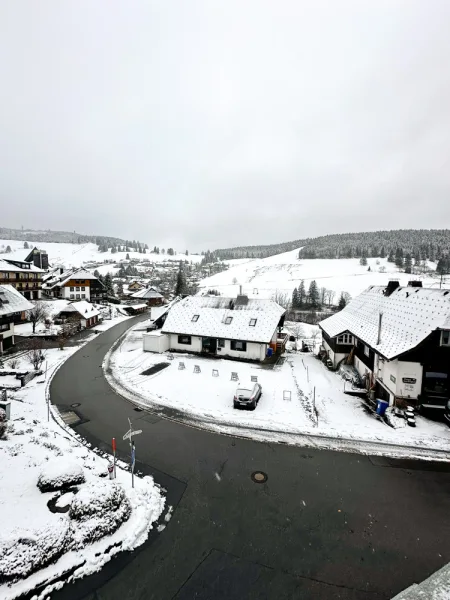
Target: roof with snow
[
  {"x": 59, "y": 279},
  {"x": 253, "y": 321},
  {"x": 12, "y": 301},
  {"x": 410, "y": 314},
  {"x": 6, "y": 266},
  {"x": 85, "y": 309},
  {"x": 150, "y": 292}
]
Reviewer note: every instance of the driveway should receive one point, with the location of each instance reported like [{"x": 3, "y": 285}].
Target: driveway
[{"x": 325, "y": 525}]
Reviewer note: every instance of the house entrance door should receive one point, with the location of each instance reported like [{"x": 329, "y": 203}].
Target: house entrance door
[{"x": 209, "y": 345}]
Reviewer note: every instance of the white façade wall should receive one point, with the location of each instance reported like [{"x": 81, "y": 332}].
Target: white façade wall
[
  {"x": 194, "y": 346},
  {"x": 255, "y": 351},
  {"x": 335, "y": 357},
  {"x": 77, "y": 295},
  {"x": 155, "y": 343},
  {"x": 402, "y": 379},
  {"x": 361, "y": 367}
]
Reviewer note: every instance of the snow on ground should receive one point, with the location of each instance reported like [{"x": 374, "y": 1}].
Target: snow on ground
[
  {"x": 34, "y": 445},
  {"x": 208, "y": 400},
  {"x": 283, "y": 272},
  {"x": 74, "y": 255}
]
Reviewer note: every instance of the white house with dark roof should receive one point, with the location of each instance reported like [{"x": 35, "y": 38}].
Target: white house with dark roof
[
  {"x": 229, "y": 327},
  {"x": 398, "y": 338},
  {"x": 11, "y": 303}
]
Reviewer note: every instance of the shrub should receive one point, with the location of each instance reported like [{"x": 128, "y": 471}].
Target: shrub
[
  {"x": 60, "y": 474},
  {"x": 98, "y": 509}
]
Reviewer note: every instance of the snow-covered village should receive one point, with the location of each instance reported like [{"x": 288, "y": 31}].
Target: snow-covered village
[{"x": 224, "y": 300}]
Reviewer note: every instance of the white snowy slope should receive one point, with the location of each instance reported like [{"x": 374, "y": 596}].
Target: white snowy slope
[
  {"x": 74, "y": 255},
  {"x": 283, "y": 272}
]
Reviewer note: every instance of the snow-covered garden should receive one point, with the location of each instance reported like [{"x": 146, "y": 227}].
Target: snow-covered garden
[
  {"x": 62, "y": 517},
  {"x": 302, "y": 403}
]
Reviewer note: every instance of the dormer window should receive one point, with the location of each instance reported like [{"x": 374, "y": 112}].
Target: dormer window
[
  {"x": 228, "y": 320},
  {"x": 195, "y": 318},
  {"x": 253, "y": 322},
  {"x": 345, "y": 338},
  {"x": 445, "y": 338}
]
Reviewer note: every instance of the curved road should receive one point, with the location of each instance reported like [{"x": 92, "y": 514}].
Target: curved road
[{"x": 325, "y": 526}]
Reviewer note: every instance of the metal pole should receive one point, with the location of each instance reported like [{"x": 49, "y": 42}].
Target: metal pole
[
  {"x": 133, "y": 455},
  {"x": 114, "y": 455}
]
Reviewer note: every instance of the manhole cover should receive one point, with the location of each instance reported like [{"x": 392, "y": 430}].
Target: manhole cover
[
  {"x": 259, "y": 477},
  {"x": 75, "y": 404}
]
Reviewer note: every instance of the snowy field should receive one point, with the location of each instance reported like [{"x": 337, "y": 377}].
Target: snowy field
[
  {"x": 208, "y": 401},
  {"x": 38, "y": 449},
  {"x": 74, "y": 255},
  {"x": 283, "y": 272}
]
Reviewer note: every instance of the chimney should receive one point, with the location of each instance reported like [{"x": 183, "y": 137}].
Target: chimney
[
  {"x": 240, "y": 290},
  {"x": 380, "y": 320},
  {"x": 61, "y": 270},
  {"x": 391, "y": 287}
]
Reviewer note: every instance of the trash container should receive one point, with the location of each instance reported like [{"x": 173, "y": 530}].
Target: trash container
[
  {"x": 381, "y": 406},
  {"x": 269, "y": 352}
]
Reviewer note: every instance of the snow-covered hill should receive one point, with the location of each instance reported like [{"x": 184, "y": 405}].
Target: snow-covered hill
[
  {"x": 74, "y": 255},
  {"x": 283, "y": 272}
]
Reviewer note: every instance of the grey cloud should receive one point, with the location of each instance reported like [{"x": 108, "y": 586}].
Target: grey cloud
[{"x": 205, "y": 125}]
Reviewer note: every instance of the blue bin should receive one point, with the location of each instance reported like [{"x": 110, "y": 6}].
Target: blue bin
[
  {"x": 269, "y": 352},
  {"x": 381, "y": 407}
]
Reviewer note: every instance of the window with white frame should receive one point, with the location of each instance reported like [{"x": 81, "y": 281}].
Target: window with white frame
[
  {"x": 72, "y": 296},
  {"x": 228, "y": 320},
  {"x": 445, "y": 338},
  {"x": 185, "y": 339},
  {"x": 345, "y": 338},
  {"x": 72, "y": 289},
  {"x": 366, "y": 350},
  {"x": 253, "y": 322}
]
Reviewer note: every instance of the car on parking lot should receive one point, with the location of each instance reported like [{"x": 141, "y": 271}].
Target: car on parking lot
[{"x": 247, "y": 397}]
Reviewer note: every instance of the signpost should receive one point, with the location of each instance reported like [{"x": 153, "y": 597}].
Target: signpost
[
  {"x": 129, "y": 434},
  {"x": 114, "y": 455}
]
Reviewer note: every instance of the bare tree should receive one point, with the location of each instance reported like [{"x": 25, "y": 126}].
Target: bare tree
[
  {"x": 14, "y": 363},
  {"x": 281, "y": 298},
  {"x": 330, "y": 297},
  {"x": 323, "y": 295},
  {"x": 37, "y": 314},
  {"x": 35, "y": 353},
  {"x": 298, "y": 331}
]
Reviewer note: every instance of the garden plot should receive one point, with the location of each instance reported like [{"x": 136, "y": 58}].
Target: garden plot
[
  {"x": 317, "y": 406},
  {"x": 60, "y": 512}
]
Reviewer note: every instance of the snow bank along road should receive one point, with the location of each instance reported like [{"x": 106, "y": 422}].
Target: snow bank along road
[{"x": 326, "y": 525}]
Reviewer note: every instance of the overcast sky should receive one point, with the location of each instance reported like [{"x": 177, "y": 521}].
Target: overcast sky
[{"x": 206, "y": 124}]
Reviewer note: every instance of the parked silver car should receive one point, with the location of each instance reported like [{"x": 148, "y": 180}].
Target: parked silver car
[{"x": 247, "y": 397}]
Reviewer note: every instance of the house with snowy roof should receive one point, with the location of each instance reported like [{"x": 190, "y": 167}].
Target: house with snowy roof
[
  {"x": 73, "y": 284},
  {"x": 398, "y": 338},
  {"x": 23, "y": 276},
  {"x": 81, "y": 312},
  {"x": 12, "y": 304},
  {"x": 151, "y": 295},
  {"x": 239, "y": 327}
]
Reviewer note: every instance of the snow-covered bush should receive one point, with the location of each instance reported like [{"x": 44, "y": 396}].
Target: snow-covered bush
[
  {"x": 60, "y": 474},
  {"x": 99, "y": 508},
  {"x": 21, "y": 556}
]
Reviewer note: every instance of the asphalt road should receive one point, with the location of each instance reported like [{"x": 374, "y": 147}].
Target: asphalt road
[{"x": 325, "y": 526}]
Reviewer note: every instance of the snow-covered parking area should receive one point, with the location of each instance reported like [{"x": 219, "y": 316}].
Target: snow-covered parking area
[
  {"x": 61, "y": 516},
  {"x": 302, "y": 403}
]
